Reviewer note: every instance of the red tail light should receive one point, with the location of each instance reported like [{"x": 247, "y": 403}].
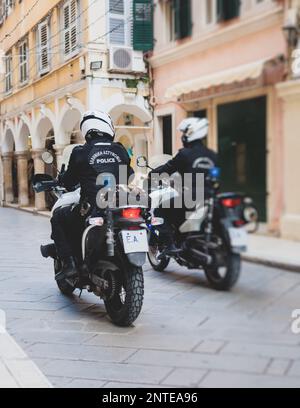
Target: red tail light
[
  {"x": 131, "y": 213},
  {"x": 239, "y": 223},
  {"x": 231, "y": 202}
]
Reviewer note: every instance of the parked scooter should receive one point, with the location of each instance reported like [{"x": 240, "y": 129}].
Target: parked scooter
[
  {"x": 212, "y": 238},
  {"x": 114, "y": 248}
]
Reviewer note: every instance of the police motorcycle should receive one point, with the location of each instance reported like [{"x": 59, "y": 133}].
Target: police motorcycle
[
  {"x": 114, "y": 249},
  {"x": 212, "y": 238}
]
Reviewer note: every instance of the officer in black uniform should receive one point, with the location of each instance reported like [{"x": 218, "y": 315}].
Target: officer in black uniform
[
  {"x": 193, "y": 159},
  {"x": 98, "y": 156}
]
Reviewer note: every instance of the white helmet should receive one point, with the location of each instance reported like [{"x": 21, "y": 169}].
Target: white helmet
[
  {"x": 97, "y": 122},
  {"x": 193, "y": 129}
]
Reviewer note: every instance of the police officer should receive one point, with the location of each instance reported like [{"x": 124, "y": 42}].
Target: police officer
[
  {"x": 193, "y": 159},
  {"x": 99, "y": 155}
]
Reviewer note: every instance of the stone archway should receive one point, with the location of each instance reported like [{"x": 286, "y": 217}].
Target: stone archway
[
  {"x": 69, "y": 130},
  {"x": 131, "y": 124},
  {"x": 44, "y": 126},
  {"x": 42, "y": 138}
]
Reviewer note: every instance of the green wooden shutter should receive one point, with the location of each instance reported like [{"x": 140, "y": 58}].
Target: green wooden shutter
[
  {"x": 142, "y": 25},
  {"x": 228, "y": 9},
  {"x": 183, "y": 18}
]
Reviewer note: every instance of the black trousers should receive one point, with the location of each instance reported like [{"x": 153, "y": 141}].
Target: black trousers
[
  {"x": 174, "y": 217},
  {"x": 67, "y": 229}
]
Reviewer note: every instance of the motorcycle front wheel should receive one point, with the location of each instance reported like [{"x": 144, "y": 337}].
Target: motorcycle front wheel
[
  {"x": 158, "y": 265},
  {"x": 224, "y": 276},
  {"x": 125, "y": 295}
]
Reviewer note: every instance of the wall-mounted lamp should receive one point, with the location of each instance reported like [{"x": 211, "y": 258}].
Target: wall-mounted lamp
[
  {"x": 43, "y": 110},
  {"x": 96, "y": 65},
  {"x": 291, "y": 28},
  {"x": 69, "y": 100}
]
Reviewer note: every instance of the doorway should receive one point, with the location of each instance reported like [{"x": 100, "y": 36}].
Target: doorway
[
  {"x": 167, "y": 134},
  {"x": 243, "y": 150}
]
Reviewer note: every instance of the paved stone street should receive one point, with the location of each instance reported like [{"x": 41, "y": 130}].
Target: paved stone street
[{"x": 187, "y": 335}]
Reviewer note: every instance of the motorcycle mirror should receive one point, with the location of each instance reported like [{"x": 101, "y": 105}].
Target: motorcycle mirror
[
  {"x": 47, "y": 158},
  {"x": 142, "y": 162}
]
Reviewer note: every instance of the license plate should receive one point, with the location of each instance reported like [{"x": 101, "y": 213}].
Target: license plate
[
  {"x": 238, "y": 237},
  {"x": 135, "y": 241}
]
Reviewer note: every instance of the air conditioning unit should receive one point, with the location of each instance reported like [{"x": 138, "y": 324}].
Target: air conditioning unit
[{"x": 125, "y": 59}]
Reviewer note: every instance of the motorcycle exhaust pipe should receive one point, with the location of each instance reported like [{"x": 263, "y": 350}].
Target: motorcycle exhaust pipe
[
  {"x": 203, "y": 258},
  {"x": 48, "y": 251}
]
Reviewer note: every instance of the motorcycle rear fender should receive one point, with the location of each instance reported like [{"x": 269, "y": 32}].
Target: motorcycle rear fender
[
  {"x": 137, "y": 259},
  {"x": 225, "y": 225}
]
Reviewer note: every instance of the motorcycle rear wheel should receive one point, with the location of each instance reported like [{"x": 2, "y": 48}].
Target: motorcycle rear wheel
[
  {"x": 158, "y": 265},
  {"x": 228, "y": 280},
  {"x": 126, "y": 303}
]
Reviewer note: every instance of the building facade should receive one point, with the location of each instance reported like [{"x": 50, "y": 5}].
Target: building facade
[
  {"x": 228, "y": 61},
  {"x": 59, "y": 59}
]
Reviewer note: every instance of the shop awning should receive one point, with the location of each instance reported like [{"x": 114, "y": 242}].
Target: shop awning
[{"x": 229, "y": 76}]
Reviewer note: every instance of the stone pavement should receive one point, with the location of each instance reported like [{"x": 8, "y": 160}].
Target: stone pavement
[
  {"x": 16, "y": 369},
  {"x": 187, "y": 335},
  {"x": 276, "y": 252}
]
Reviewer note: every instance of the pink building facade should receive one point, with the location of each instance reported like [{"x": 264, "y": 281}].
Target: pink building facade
[{"x": 228, "y": 63}]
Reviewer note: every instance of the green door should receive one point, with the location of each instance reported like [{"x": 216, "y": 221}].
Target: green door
[{"x": 242, "y": 149}]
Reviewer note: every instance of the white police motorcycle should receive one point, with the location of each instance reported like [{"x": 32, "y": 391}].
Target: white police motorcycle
[
  {"x": 114, "y": 249},
  {"x": 212, "y": 238}
]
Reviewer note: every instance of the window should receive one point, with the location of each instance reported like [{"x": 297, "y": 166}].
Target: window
[
  {"x": 142, "y": 25},
  {"x": 117, "y": 22},
  {"x": 227, "y": 10},
  {"x": 183, "y": 18},
  {"x": 167, "y": 134},
  {"x": 224, "y": 10},
  {"x": 43, "y": 47},
  {"x": 70, "y": 28},
  {"x": 23, "y": 59},
  {"x": 8, "y": 72}
]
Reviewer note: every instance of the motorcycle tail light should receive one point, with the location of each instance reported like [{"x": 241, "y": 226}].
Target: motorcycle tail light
[
  {"x": 231, "y": 202},
  {"x": 131, "y": 213},
  {"x": 239, "y": 223}
]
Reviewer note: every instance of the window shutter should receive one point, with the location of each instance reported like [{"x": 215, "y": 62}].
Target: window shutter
[
  {"x": 228, "y": 10},
  {"x": 23, "y": 59},
  {"x": 70, "y": 24},
  {"x": 66, "y": 17},
  {"x": 117, "y": 22},
  {"x": 74, "y": 26},
  {"x": 143, "y": 25},
  {"x": 8, "y": 72},
  {"x": 183, "y": 18},
  {"x": 44, "y": 47}
]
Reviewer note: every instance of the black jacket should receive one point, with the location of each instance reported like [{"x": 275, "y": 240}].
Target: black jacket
[
  {"x": 87, "y": 162},
  {"x": 194, "y": 159}
]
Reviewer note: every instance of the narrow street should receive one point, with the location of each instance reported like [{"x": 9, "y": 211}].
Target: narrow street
[{"x": 188, "y": 335}]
